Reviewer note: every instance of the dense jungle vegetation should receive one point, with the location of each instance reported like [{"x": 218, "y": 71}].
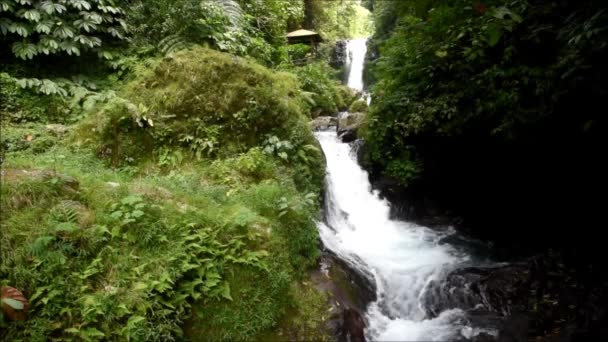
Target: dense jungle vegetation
[
  {"x": 160, "y": 181},
  {"x": 491, "y": 113},
  {"x": 493, "y": 109},
  {"x": 159, "y": 178}
]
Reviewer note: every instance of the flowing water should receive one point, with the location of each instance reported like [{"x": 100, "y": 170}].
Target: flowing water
[{"x": 401, "y": 258}]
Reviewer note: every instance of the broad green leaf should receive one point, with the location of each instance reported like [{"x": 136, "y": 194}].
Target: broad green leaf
[
  {"x": 51, "y": 7},
  {"x": 115, "y": 32},
  {"x": 70, "y": 48},
  {"x": 86, "y": 24},
  {"x": 80, "y": 4},
  {"x": 4, "y": 26},
  {"x": 64, "y": 32},
  {"x": 493, "y": 33},
  {"x": 130, "y": 200},
  {"x": 30, "y": 14},
  {"x": 13, "y": 303},
  {"x": 44, "y": 26},
  {"x": 137, "y": 213},
  {"x": 93, "y": 17},
  {"x": 441, "y": 54},
  {"x": 6, "y": 6},
  {"x": 20, "y": 29},
  {"x": 24, "y": 50},
  {"x": 106, "y": 55},
  {"x": 49, "y": 41},
  {"x": 140, "y": 286}
]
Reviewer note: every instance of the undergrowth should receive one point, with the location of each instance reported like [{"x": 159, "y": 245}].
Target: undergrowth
[{"x": 184, "y": 204}]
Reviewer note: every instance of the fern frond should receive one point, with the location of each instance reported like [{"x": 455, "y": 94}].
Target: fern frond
[
  {"x": 173, "y": 43},
  {"x": 233, "y": 12}
]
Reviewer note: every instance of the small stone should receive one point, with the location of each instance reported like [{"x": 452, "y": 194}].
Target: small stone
[{"x": 113, "y": 184}]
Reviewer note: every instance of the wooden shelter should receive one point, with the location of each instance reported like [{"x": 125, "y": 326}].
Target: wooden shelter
[{"x": 304, "y": 37}]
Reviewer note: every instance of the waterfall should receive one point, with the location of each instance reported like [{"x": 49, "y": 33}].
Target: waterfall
[
  {"x": 355, "y": 54},
  {"x": 400, "y": 258}
]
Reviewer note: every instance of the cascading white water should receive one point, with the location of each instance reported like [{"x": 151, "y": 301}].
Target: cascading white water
[
  {"x": 400, "y": 257},
  {"x": 355, "y": 54}
]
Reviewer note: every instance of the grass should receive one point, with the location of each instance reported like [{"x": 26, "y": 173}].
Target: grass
[
  {"x": 85, "y": 271},
  {"x": 162, "y": 240}
]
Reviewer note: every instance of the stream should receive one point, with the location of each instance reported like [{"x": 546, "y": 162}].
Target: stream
[{"x": 400, "y": 258}]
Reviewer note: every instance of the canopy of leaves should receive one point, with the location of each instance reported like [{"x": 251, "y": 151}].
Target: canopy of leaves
[
  {"x": 494, "y": 69},
  {"x": 47, "y": 27}
]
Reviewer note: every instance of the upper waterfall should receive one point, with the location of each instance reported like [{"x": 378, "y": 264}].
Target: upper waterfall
[{"x": 355, "y": 54}]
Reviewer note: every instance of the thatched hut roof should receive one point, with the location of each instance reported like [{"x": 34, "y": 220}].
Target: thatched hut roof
[{"x": 303, "y": 35}]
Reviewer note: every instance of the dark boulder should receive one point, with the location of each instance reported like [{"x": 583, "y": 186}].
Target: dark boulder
[{"x": 338, "y": 54}]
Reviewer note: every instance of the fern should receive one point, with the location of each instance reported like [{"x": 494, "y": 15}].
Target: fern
[
  {"x": 64, "y": 212},
  {"x": 39, "y": 246},
  {"x": 173, "y": 43},
  {"x": 233, "y": 12}
]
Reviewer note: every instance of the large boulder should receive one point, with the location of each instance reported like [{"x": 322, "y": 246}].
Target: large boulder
[
  {"x": 348, "y": 124},
  {"x": 322, "y": 123},
  {"x": 349, "y": 292}
]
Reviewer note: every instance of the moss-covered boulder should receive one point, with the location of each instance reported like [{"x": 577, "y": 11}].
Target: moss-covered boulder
[{"x": 209, "y": 102}]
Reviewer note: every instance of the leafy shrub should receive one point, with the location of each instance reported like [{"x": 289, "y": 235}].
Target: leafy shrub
[
  {"x": 25, "y": 105},
  {"x": 47, "y": 27},
  {"x": 327, "y": 96},
  {"x": 496, "y": 72}
]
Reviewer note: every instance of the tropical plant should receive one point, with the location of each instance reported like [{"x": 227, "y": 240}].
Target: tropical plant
[{"x": 48, "y": 27}]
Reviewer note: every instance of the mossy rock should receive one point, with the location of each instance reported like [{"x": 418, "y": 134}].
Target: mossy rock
[
  {"x": 359, "y": 106},
  {"x": 209, "y": 102}
]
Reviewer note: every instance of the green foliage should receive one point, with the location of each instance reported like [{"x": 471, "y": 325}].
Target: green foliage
[
  {"x": 118, "y": 263},
  {"x": 517, "y": 63},
  {"x": 64, "y": 100},
  {"x": 359, "y": 106},
  {"x": 252, "y": 28},
  {"x": 325, "y": 96},
  {"x": 51, "y": 27},
  {"x": 338, "y": 19},
  {"x": 22, "y": 105},
  {"x": 210, "y": 103}
]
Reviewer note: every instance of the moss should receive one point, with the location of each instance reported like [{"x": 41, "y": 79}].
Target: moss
[
  {"x": 359, "y": 106},
  {"x": 209, "y": 102},
  {"x": 307, "y": 318}
]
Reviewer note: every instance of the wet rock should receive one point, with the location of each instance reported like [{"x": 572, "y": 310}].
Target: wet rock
[
  {"x": 338, "y": 55},
  {"x": 348, "y": 135},
  {"x": 500, "y": 290},
  {"x": 349, "y": 292},
  {"x": 347, "y": 119},
  {"x": 348, "y": 125},
  {"x": 322, "y": 123},
  {"x": 351, "y": 326}
]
